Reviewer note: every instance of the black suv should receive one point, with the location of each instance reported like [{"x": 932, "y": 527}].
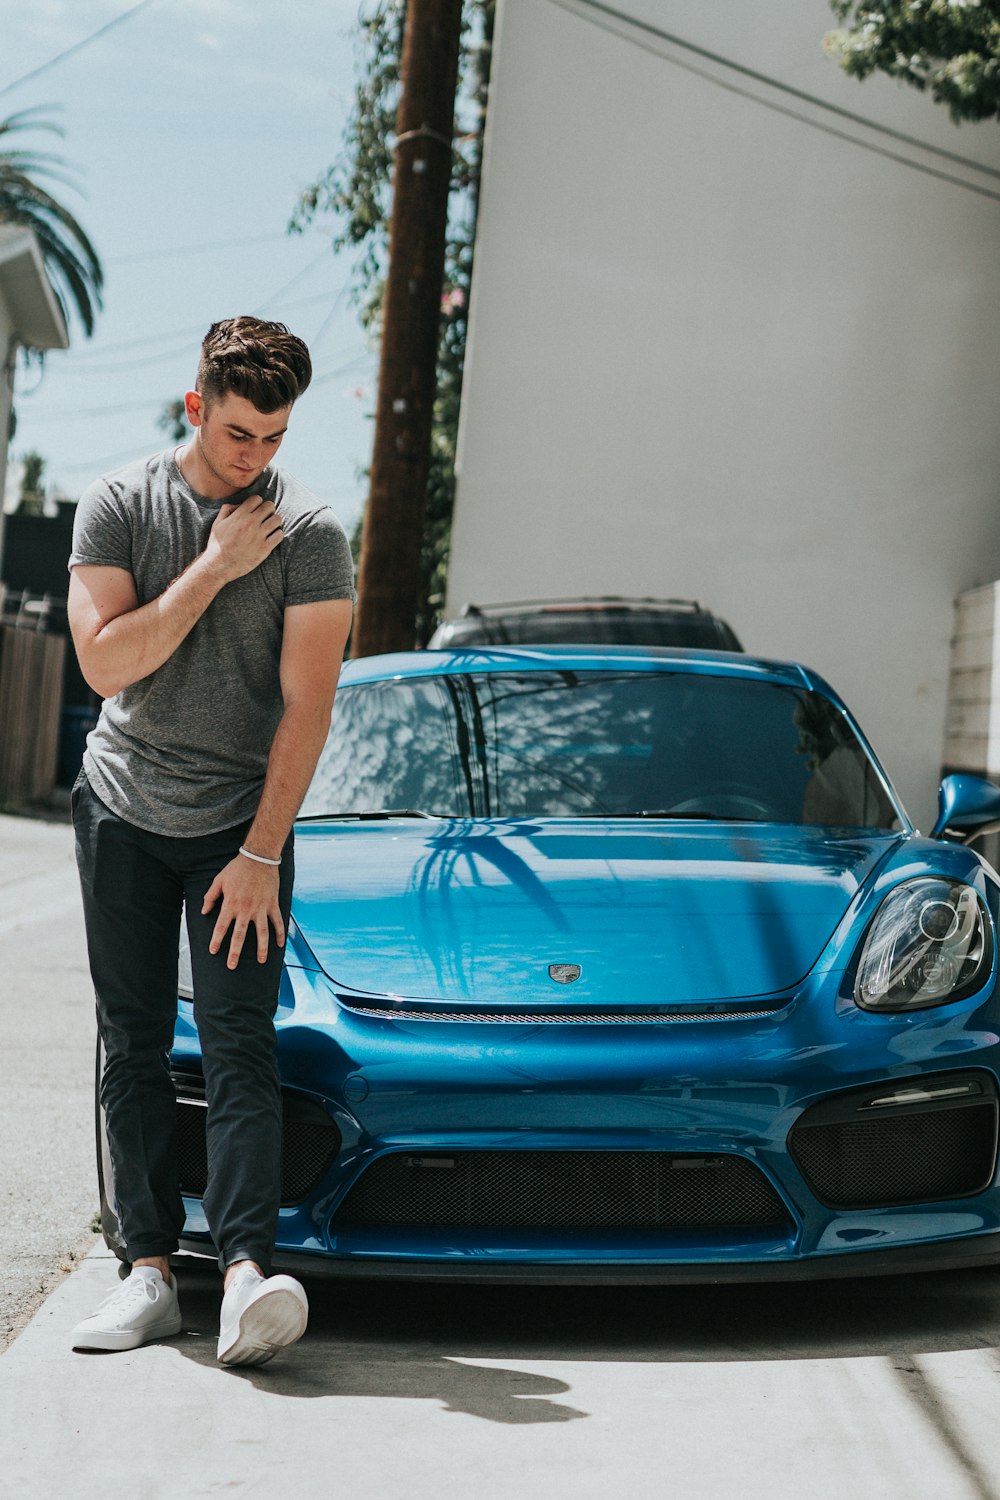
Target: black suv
[{"x": 592, "y": 622}]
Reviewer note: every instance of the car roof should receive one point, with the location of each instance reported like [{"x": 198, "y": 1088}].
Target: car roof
[
  {"x": 587, "y": 658},
  {"x": 584, "y": 604}
]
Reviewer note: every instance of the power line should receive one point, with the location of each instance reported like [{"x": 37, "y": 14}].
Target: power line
[
  {"x": 118, "y": 367},
  {"x": 168, "y": 348},
  {"x": 175, "y": 349},
  {"x": 70, "y": 413},
  {"x": 776, "y": 83},
  {"x": 145, "y": 341},
  {"x": 292, "y": 281},
  {"x": 95, "y": 466},
  {"x": 337, "y": 302},
  {"x": 76, "y": 47},
  {"x": 165, "y": 254},
  {"x": 103, "y": 465},
  {"x": 579, "y": 8},
  {"x": 349, "y": 364}
]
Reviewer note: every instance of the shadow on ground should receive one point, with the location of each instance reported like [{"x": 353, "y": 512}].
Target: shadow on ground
[{"x": 408, "y": 1340}]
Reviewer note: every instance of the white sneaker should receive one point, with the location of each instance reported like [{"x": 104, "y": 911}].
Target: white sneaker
[
  {"x": 259, "y": 1317},
  {"x": 144, "y": 1307}
]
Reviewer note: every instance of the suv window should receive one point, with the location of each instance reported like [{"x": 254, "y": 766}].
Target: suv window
[{"x": 587, "y": 625}]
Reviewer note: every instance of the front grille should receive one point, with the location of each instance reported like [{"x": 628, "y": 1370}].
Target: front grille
[
  {"x": 560, "y": 1017},
  {"x": 309, "y": 1142},
  {"x": 551, "y": 1190},
  {"x": 908, "y": 1156}
]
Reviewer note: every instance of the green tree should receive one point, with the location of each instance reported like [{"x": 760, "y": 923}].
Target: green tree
[
  {"x": 32, "y": 497},
  {"x": 173, "y": 420},
  {"x": 70, "y": 259},
  {"x": 950, "y": 49},
  {"x": 355, "y": 192}
]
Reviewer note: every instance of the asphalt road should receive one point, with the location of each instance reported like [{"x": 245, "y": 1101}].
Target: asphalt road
[{"x": 48, "y": 1192}]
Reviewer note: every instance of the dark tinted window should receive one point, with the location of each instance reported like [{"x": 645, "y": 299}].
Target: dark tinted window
[
  {"x": 589, "y": 627},
  {"x": 571, "y": 744}
]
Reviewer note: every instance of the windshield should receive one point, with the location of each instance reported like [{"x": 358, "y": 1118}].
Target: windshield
[{"x": 575, "y": 744}]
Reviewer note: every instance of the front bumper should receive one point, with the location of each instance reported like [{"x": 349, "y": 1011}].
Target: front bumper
[
  {"x": 945, "y": 1255},
  {"x": 693, "y": 1094}
]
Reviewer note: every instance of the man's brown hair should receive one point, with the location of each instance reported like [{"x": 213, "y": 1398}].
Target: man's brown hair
[{"x": 260, "y": 361}]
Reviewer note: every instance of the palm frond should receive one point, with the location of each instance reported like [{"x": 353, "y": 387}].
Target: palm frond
[{"x": 70, "y": 259}]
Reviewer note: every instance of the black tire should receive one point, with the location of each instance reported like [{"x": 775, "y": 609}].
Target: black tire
[{"x": 110, "y": 1227}]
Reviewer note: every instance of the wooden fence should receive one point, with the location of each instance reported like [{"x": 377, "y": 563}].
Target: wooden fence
[{"x": 31, "y": 685}]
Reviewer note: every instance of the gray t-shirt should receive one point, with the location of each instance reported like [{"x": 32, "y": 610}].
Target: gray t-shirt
[{"x": 184, "y": 751}]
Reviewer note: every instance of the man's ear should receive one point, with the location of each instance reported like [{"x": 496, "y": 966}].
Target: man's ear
[{"x": 194, "y": 405}]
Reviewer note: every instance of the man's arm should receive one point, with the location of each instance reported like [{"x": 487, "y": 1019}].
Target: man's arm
[
  {"x": 311, "y": 654},
  {"x": 119, "y": 642}
]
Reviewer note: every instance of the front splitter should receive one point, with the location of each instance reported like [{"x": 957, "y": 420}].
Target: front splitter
[{"x": 941, "y": 1255}]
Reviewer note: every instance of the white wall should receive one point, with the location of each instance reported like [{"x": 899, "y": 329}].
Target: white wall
[{"x": 719, "y": 354}]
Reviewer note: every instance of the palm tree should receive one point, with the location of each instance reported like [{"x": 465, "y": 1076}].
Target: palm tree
[{"x": 70, "y": 259}]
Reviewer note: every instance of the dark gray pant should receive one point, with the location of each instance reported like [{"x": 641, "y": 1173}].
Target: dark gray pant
[{"x": 135, "y": 885}]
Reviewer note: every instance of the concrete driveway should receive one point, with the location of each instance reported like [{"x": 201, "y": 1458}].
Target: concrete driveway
[
  {"x": 48, "y": 1192},
  {"x": 881, "y": 1388}
]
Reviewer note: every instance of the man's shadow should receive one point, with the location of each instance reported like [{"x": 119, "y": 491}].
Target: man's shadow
[{"x": 376, "y": 1339}]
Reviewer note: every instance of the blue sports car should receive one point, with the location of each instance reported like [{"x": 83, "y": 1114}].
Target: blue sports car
[{"x": 624, "y": 963}]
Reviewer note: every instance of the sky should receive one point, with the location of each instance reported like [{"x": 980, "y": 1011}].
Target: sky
[{"x": 193, "y": 126}]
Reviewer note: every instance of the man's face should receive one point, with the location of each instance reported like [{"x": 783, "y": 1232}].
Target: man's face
[{"x": 233, "y": 439}]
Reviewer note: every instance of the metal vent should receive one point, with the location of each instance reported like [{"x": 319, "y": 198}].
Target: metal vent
[
  {"x": 546, "y": 1190},
  {"x": 904, "y": 1157},
  {"x": 556, "y": 1018},
  {"x": 309, "y": 1142}
]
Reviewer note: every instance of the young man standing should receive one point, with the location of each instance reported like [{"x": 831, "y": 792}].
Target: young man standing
[{"x": 210, "y": 601}]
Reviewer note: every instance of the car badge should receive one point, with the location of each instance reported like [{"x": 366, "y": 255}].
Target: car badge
[{"x": 564, "y": 973}]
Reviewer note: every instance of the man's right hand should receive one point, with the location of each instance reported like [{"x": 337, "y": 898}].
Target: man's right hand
[
  {"x": 242, "y": 536},
  {"x": 118, "y": 641}
]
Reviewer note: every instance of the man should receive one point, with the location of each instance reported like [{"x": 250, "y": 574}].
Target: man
[{"x": 210, "y": 601}]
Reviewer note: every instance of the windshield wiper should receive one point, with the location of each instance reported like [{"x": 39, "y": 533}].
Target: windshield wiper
[
  {"x": 369, "y": 814},
  {"x": 712, "y": 817}
]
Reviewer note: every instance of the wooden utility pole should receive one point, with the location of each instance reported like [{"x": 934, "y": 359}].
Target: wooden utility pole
[{"x": 389, "y": 574}]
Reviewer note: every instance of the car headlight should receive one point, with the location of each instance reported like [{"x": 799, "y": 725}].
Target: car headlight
[
  {"x": 931, "y": 942},
  {"x": 185, "y": 983}
]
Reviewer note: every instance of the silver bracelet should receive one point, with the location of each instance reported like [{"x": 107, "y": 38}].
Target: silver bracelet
[{"x": 258, "y": 859}]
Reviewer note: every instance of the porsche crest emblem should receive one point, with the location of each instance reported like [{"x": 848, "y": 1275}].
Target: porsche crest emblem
[{"x": 564, "y": 973}]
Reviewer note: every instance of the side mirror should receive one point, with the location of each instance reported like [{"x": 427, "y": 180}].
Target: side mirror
[{"x": 968, "y": 804}]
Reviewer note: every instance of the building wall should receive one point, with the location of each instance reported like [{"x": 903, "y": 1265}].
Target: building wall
[{"x": 718, "y": 353}]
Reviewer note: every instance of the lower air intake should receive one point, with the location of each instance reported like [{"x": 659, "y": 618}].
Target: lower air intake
[
  {"x": 543, "y": 1190},
  {"x": 309, "y": 1142},
  {"x": 901, "y": 1156}
]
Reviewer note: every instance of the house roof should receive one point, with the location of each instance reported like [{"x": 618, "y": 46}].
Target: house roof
[{"x": 35, "y": 316}]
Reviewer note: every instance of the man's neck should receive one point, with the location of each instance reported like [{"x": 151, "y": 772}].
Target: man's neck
[{"x": 199, "y": 476}]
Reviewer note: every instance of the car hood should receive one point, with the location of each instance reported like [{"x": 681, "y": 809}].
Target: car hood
[{"x": 475, "y": 912}]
